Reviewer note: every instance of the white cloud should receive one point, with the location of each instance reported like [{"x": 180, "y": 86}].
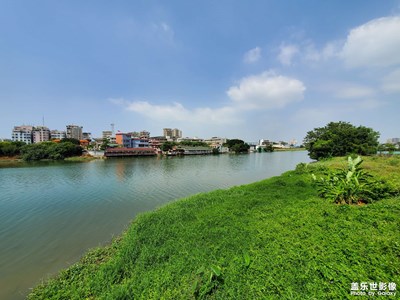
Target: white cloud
[
  {"x": 176, "y": 112},
  {"x": 311, "y": 53},
  {"x": 354, "y": 91},
  {"x": 260, "y": 92},
  {"x": 164, "y": 31},
  {"x": 391, "y": 82},
  {"x": 266, "y": 91},
  {"x": 286, "y": 54},
  {"x": 252, "y": 55},
  {"x": 375, "y": 43}
]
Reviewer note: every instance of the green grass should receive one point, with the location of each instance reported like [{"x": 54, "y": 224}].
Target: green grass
[{"x": 273, "y": 239}]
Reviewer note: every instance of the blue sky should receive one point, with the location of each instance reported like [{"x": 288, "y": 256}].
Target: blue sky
[{"x": 236, "y": 69}]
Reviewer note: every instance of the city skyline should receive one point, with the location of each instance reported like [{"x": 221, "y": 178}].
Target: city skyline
[{"x": 265, "y": 69}]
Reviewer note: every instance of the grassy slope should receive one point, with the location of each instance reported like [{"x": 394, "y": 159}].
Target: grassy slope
[{"x": 274, "y": 239}]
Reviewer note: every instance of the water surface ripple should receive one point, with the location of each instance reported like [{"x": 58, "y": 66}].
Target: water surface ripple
[{"x": 52, "y": 213}]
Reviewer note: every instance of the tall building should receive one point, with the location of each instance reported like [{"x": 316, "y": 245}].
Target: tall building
[
  {"x": 176, "y": 133},
  {"x": 40, "y": 134},
  {"x": 74, "y": 132},
  {"x": 57, "y": 134},
  {"x": 106, "y": 134},
  {"x": 22, "y": 133},
  {"x": 172, "y": 133},
  {"x": 167, "y": 132}
]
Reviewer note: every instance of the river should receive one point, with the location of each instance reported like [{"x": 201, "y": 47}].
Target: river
[{"x": 51, "y": 213}]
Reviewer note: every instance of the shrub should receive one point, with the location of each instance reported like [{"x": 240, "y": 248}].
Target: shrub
[{"x": 353, "y": 185}]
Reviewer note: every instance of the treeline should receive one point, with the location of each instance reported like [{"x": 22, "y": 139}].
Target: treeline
[
  {"x": 169, "y": 145},
  {"x": 45, "y": 150}
]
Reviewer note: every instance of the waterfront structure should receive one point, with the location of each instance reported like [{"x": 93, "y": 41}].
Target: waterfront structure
[
  {"x": 188, "y": 139},
  {"x": 57, "y": 135},
  {"x": 187, "y": 150},
  {"x": 22, "y": 133},
  {"x": 40, "y": 134},
  {"x": 123, "y": 152},
  {"x": 74, "y": 132}
]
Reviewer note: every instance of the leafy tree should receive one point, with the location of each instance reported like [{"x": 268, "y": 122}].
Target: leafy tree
[
  {"x": 70, "y": 140},
  {"x": 11, "y": 148},
  {"x": 237, "y": 146},
  {"x": 340, "y": 139},
  {"x": 105, "y": 144},
  {"x": 193, "y": 144},
  {"x": 166, "y": 146}
]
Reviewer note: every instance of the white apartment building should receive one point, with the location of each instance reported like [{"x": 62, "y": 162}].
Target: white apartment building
[
  {"x": 57, "y": 135},
  {"x": 22, "y": 134}
]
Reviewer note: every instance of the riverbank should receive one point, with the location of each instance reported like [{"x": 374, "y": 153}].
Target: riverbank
[
  {"x": 5, "y": 160},
  {"x": 270, "y": 239}
]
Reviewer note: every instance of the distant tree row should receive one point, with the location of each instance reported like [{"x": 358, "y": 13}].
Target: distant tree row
[
  {"x": 45, "y": 150},
  {"x": 170, "y": 145}
]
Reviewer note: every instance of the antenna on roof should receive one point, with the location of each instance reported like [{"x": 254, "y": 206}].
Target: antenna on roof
[{"x": 112, "y": 128}]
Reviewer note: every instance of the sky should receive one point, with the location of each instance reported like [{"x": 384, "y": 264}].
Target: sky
[{"x": 268, "y": 69}]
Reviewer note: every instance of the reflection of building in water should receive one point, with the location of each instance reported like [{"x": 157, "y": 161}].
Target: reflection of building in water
[{"x": 120, "y": 169}]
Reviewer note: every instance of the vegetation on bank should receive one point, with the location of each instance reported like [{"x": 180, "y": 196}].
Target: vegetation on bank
[
  {"x": 340, "y": 139},
  {"x": 41, "y": 151},
  {"x": 274, "y": 239}
]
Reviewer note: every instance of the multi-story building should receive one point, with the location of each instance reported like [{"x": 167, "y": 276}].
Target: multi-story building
[
  {"x": 176, "y": 133},
  {"x": 40, "y": 134},
  {"x": 123, "y": 139},
  {"x": 172, "y": 133},
  {"x": 57, "y": 134},
  {"x": 106, "y": 134},
  {"x": 86, "y": 136},
  {"x": 393, "y": 141},
  {"x": 22, "y": 133},
  {"x": 74, "y": 132},
  {"x": 139, "y": 143},
  {"x": 126, "y": 140},
  {"x": 167, "y": 132}
]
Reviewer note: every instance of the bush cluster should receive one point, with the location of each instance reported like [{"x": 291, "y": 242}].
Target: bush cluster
[
  {"x": 50, "y": 150},
  {"x": 352, "y": 185},
  {"x": 10, "y": 148}
]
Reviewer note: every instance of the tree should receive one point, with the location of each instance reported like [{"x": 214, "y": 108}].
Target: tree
[
  {"x": 105, "y": 144},
  {"x": 11, "y": 148},
  {"x": 340, "y": 139},
  {"x": 167, "y": 146},
  {"x": 237, "y": 146},
  {"x": 70, "y": 140}
]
